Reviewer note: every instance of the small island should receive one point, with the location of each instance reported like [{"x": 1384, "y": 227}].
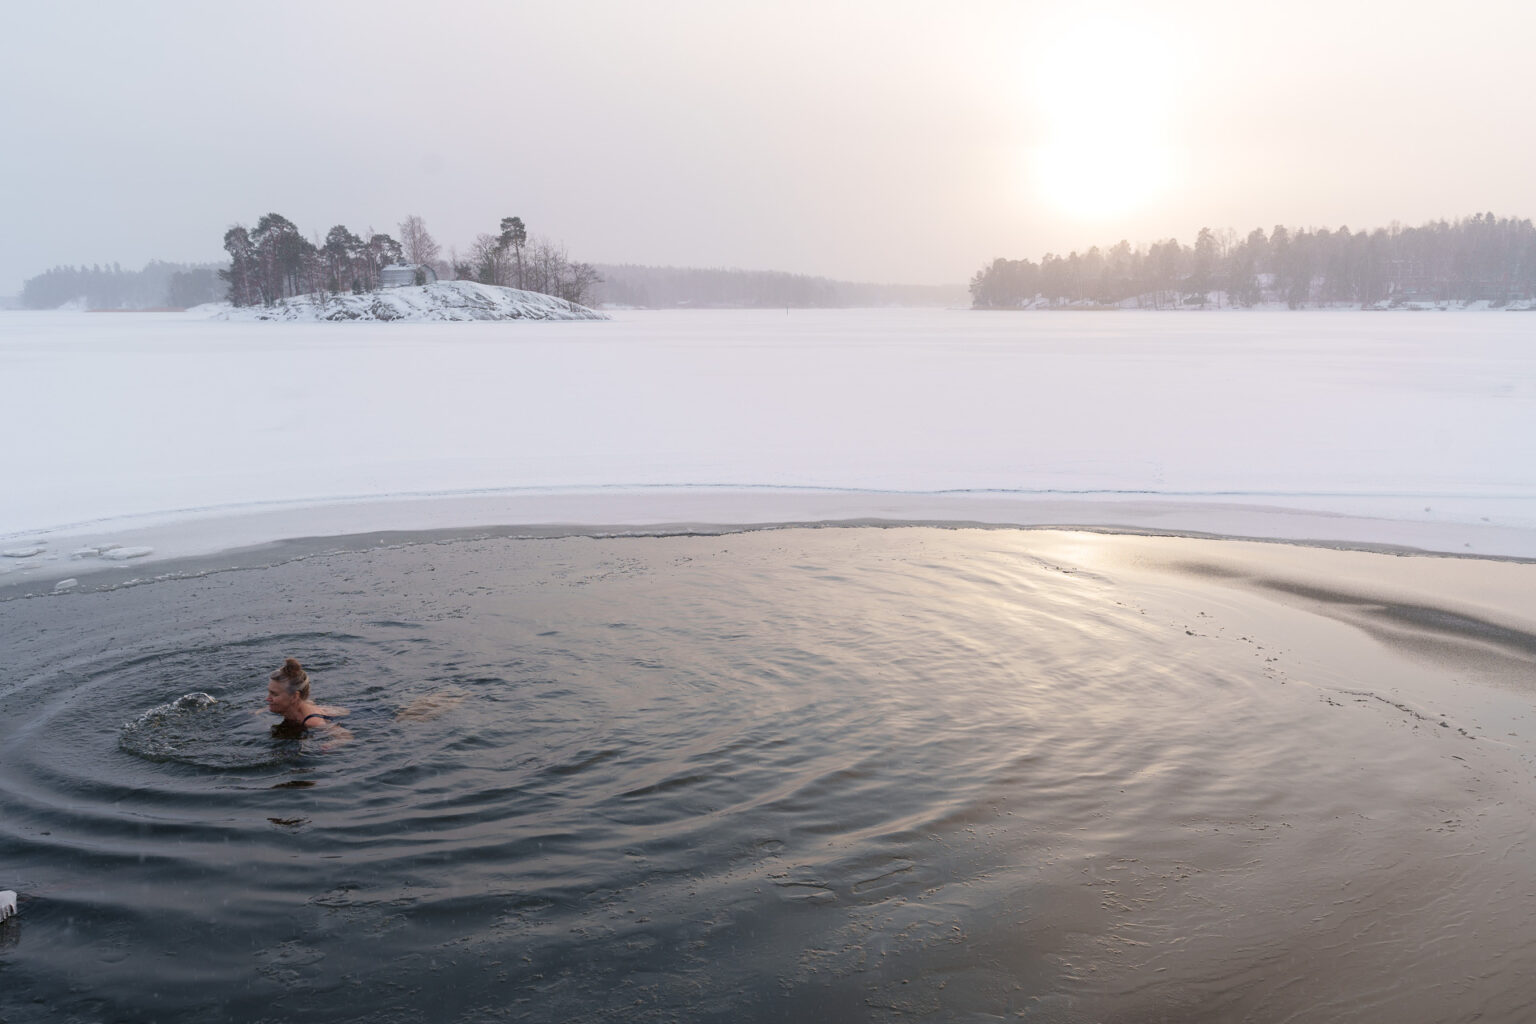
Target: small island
[
  {"x": 440, "y": 301},
  {"x": 275, "y": 273}
]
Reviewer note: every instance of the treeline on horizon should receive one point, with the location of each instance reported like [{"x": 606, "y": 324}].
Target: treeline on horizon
[
  {"x": 178, "y": 286},
  {"x": 699, "y": 288},
  {"x": 158, "y": 285},
  {"x": 274, "y": 261},
  {"x": 1479, "y": 258}
]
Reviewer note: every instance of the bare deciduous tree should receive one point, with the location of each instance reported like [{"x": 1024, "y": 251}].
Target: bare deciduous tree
[
  {"x": 488, "y": 258},
  {"x": 580, "y": 281},
  {"x": 420, "y": 248}
]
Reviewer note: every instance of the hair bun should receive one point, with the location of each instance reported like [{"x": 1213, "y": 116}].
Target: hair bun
[{"x": 292, "y": 666}]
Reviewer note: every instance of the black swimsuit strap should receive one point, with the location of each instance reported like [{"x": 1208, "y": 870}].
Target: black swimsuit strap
[{"x": 322, "y": 718}]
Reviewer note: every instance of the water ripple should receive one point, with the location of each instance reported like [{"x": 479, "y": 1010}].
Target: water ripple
[{"x": 800, "y": 775}]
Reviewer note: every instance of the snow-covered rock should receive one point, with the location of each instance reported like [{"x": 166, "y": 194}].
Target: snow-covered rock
[{"x": 444, "y": 300}]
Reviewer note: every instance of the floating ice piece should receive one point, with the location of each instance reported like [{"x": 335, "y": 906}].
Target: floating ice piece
[
  {"x": 21, "y": 552},
  {"x": 123, "y": 554},
  {"x": 7, "y": 904},
  {"x": 63, "y": 585}
]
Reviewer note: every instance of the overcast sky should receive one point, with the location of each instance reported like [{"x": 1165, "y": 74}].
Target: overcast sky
[{"x": 876, "y": 141}]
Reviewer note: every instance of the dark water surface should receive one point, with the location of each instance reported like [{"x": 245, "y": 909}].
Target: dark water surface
[{"x": 795, "y": 775}]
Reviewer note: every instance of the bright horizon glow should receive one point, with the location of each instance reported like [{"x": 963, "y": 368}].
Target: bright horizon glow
[
  {"x": 890, "y": 141},
  {"x": 1104, "y": 93},
  {"x": 1096, "y": 180}
]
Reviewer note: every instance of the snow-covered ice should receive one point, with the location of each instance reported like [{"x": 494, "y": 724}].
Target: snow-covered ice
[{"x": 184, "y": 435}]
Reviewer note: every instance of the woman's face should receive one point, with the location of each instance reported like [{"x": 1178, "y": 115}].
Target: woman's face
[{"x": 279, "y": 700}]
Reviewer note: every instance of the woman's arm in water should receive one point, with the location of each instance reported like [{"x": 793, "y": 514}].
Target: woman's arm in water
[
  {"x": 424, "y": 709},
  {"x": 335, "y": 735}
]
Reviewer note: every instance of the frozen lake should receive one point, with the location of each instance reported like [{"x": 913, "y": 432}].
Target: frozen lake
[
  {"x": 1419, "y": 427},
  {"x": 862, "y": 774}
]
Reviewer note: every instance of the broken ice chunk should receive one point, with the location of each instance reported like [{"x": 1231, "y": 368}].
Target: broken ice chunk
[{"x": 123, "y": 554}]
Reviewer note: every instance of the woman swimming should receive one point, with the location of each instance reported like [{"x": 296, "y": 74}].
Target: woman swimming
[{"x": 288, "y": 695}]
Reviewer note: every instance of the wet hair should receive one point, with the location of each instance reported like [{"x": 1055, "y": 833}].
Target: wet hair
[{"x": 293, "y": 677}]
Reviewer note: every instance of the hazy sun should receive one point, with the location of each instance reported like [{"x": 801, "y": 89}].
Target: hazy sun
[
  {"x": 1099, "y": 179},
  {"x": 1105, "y": 94}
]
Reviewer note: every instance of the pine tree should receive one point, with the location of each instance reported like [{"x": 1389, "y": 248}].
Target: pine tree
[
  {"x": 1202, "y": 266},
  {"x": 340, "y": 253},
  {"x": 514, "y": 236},
  {"x": 242, "y": 271}
]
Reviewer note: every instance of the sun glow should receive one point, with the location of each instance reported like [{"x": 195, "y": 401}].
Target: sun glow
[
  {"x": 1106, "y": 93},
  {"x": 1089, "y": 178}
]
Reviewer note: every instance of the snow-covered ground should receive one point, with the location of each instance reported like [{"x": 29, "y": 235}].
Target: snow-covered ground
[
  {"x": 445, "y": 300},
  {"x": 169, "y": 434}
]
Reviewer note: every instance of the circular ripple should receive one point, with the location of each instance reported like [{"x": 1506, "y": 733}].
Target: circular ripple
[
  {"x": 200, "y": 730},
  {"x": 775, "y": 776}
]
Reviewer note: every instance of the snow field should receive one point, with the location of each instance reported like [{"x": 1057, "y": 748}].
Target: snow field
[{"x": 1389, "y": 428}]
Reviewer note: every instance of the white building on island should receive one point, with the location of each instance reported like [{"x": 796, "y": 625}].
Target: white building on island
[{"x": 403, "y": 275}]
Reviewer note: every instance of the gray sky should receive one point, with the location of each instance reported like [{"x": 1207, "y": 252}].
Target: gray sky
[{"x": 881, "y": 141}]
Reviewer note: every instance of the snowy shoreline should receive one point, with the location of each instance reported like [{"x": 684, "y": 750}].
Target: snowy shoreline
[
  {"x": 441, "y": 301},
  {"x": 142, "y": 439},
  {"x": 196, "y": 541}
]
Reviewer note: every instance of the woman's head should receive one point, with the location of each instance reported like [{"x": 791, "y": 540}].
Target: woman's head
[{"x": 290, "y": 682}]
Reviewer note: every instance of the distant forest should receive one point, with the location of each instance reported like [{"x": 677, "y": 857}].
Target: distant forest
[
  {"x": 158, "y": 285},
  {"x": 177, "y": 286},
  {"x": 1478, "y": 259},
  {"x": 692, "y": 287}
]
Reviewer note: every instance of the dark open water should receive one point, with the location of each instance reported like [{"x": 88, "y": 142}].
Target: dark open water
[{"x": 797, "y": 775}]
